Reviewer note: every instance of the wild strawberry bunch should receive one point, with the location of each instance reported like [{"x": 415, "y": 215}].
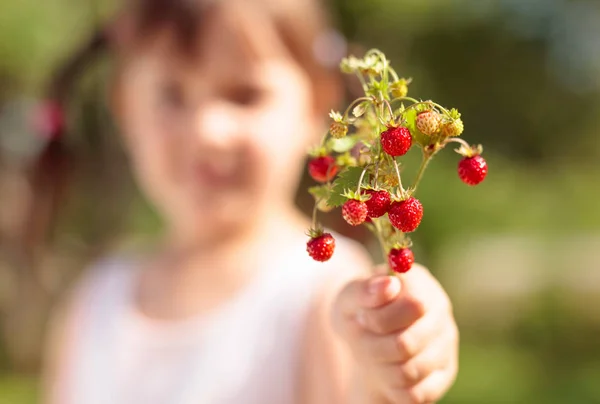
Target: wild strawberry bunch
[{"x": 358, "y": 163}]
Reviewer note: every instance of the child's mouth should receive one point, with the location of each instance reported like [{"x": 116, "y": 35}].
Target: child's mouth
[{"x": 217, "y": 175}]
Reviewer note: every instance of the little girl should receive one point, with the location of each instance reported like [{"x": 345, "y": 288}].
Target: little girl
[{"x": 217, "y": 102}]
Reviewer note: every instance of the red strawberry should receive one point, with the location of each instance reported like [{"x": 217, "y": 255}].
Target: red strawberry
[
  {"x": 401, "y": 260},
  {"x": 354, "y": 212},
  {"x": 406, "y": 215},
  {"x": 321, "y": 248},
  {"x": 322, "y": 169},
  {"x": 428, "y": 122},
  {"x": 472, "y": 170},
  {"x": 396, "y": 141},
  {"x": 379, "y": 203}
]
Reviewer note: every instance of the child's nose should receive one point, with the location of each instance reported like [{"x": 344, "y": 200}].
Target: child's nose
[{"x": 215, "y": 125}]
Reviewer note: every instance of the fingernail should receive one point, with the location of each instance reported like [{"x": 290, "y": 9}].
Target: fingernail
[
  {"x": 360, "y": 318},
  {"x": 377, "y": 284}
]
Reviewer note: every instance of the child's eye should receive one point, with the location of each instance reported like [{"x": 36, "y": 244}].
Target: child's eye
[{"x": 245, "y": 95}]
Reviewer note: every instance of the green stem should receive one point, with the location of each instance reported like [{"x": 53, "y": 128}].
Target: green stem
[
  {"x": 314, "y": 214},
  {"x": 390, "y": 110},
  {"x": 457, "y": 140},
  {"x": 407, "y": 99},
  {"x": 398, "y": 174},
  {"x": 424, "y": 163},
  {"x": 394, "y": 74},
  {"x": 362, "y": 82},
  {"x": 379, "y": 235},
  {"x": 362, "y": 175},
  {"x": 417, "y": 102},
  {"x": 440, "y": 107}
]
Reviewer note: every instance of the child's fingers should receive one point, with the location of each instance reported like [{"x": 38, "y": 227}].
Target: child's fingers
[
  {"x": 436, "y": 356},
  {"x": 365, "y": 293},
  {"x": 399, "y": 314},
  {"x": 403, "y": 345},
  {"x": 432, "y": 388}
]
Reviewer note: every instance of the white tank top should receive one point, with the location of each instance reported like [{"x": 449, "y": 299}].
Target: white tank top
[{"x": 248, "y": 351}]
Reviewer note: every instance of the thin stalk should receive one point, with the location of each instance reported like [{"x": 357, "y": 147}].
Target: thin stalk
[
  {"x": 362, "y": 175},
  {"x": 394, "y": 74},
  {"x": 379, "y": 235},
  {"x": 314, "y": 215},
  {"x": 389, "y": 108},
  {"x": 362, "y": 82},
  {"x": 457, "y": 140},
  {"x": 439, "y": 106},
  {"x": 424, "y": 164},
  {"x": 407, "y": 99},
  {"x": 398, "y": 174}
]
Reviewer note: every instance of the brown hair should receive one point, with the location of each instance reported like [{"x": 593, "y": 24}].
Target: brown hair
[{"x": 301, "y": 25}]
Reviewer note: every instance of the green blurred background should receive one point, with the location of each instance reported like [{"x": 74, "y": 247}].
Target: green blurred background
[{"x": 519, "y": 254}]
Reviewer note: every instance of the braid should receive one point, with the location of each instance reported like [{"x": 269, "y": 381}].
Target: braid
[{"x": 50, "y": 172}]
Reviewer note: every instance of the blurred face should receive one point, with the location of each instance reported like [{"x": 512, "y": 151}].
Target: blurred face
[{"x": 216, "y": 140}]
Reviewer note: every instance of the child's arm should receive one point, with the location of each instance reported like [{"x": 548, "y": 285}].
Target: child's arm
[{"x": 397, "y": 345}]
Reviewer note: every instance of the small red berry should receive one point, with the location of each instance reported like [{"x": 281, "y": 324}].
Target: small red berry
[
  {"x": 379, "y": 203},
  {"x": 396, "y": 141},
  {"x": 472, "y": 170},
  {"x": 321, "y": 248},
  {"x": 322, "y": 169},
  {"x": 401, "y": 260},
  {"x": 406, "y": 215},
  {"x": 354, "y": 212}
]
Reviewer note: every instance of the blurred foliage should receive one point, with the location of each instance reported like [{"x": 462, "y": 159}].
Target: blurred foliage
[{"x": 526, "y": 76}]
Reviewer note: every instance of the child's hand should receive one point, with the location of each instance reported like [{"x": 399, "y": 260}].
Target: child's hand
[{"x": 402, "y": 334}]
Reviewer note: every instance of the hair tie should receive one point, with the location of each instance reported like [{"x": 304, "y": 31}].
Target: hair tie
[{"x": 48, "y": 119}]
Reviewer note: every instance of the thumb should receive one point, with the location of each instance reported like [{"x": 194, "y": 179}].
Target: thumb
[{"x": 367, "y": 293}]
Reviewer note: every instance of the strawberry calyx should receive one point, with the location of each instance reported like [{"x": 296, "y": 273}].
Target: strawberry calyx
[
  {"x": 467, "y": 150},
  {"x": 315, "y": 232},
  {"x": 402, "y": 194},
  {"x": 357, "y": 196},
  {"x": 319, "y": 151}
]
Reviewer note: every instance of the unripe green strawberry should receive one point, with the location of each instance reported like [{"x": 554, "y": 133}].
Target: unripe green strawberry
[
  {"x": 399, "y": 88},
  {"x": 323, "y": 206},
  {"x": 453, "y": 128},
  {"x": 428, "y": 122}
]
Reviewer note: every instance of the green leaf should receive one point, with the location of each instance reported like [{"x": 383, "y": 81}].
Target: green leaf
[
  {"x": 344, "y": 144},
  {"x": 410, "y": 116},
  {"x": 348, "y": 179},
  {"x": 320, "y": 192}
]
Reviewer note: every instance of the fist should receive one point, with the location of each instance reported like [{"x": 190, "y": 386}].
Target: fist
[{"x": 402, "y": 333}]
